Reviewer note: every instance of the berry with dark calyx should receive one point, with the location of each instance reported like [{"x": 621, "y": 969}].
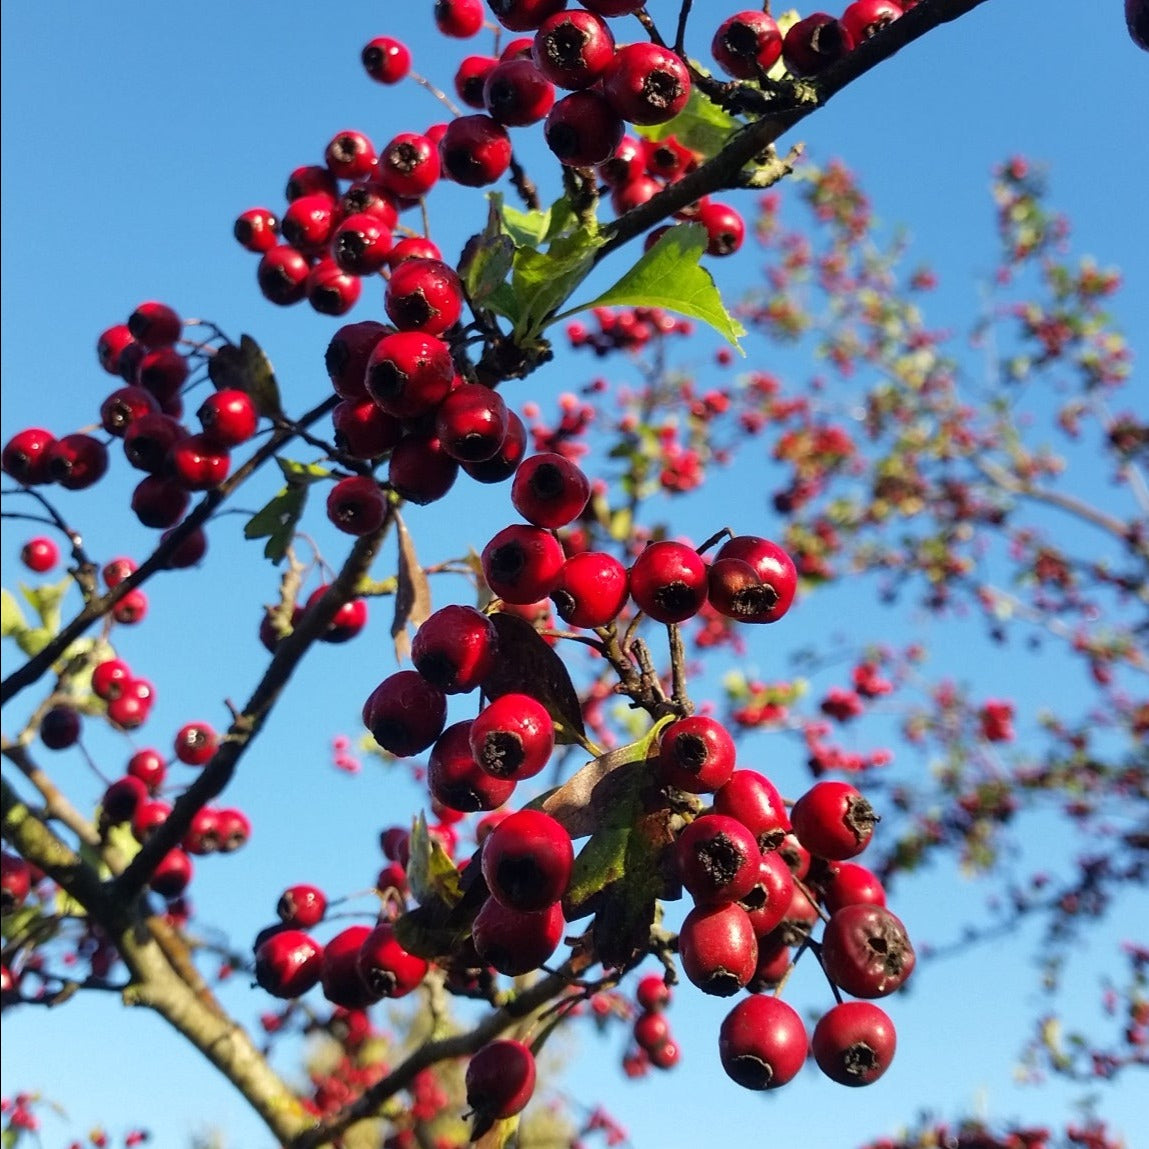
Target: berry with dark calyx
[
  {"x": 696, "y": 754},
  {"x": 122, "y": 800},
  {"x": 172, "y": 875},
  {"x": 370, "y": 197},
  {"x": 115, "y": 571},
  {"x": 456, "y": 780},
  {"x": 866, "y": 951},
  {"x": 747, "y": 44},
  {"x": 854, "y": 1043},
  {"x": 149, "y": 439},
  {"x": 111, "y": 345},
  {"x": 865, "y": 18},
  {"x": 500, "y": 1079},
  {"x": 667, "y": 159},
  {"x": 124, "y": 406},
  {"x": 762, "y": 1043},
  {"x": 163, "y": 371},
  {"x": 128, "y": 711},
  {"x": 288, "y": 963},
  {"x": 155, "y": 324},
  {"x": 583, "y": 129},
  {"x": 349, "y": 619},
  {"x": 814, "y": 43},
  {"x": 634, "y": 193},
  {"x": 76, "y": 461},
  {"x": 725, "y": 229},
  {"x": 228, "y": 417},
  {"x": 459, "y": 19},
  {"x": 109, "y": 677},
  {"x": 455, "y": 648},
  {"x": 234, "y": 828},
  {"x": 350, "y": 155},
  {"x": 627, "y": 163},
  {"x": 25, "y": 456},
  {"x": 652, "y": 993},
  {"x": 718, "y": 859},
  {"x": 386, "y": 60},
  {"x": 409, "y": 373},
  {"x": 646, "y": 84},
  {"x": 516, "y": 93},
  {"x": 311, "y": 179},
  {"x": 339, "y": 976},
  {"x": 363, "y": 429},
  {"x": 413, "y": 247},
  {"x": 282, "y": 275},
  {"x": 513, "y": 737},
  {"x": 361, "y": 244},
  {"x": 424, "y": 295},
  {"x": 160, "y": 502},
  {"x": 40, "y": 554},
  {"x": 668, "y": 581},
  {"x": 718, "y": 948},
  {"x": 405, "y": 713},
  {"x": 301, "y": 907},
  {"x": 470, "y": 79},
  {"x": 770, "y": 898},
  {"x": 591, "y": 590},
  {"x": 203, "y": 834},
  {"x": 150, "y": 767},
  {"x": 409, "y": 166},
  {"x": 310, "y": 221},
  {"x": 521, "y": 563},
  {"x": 257, "y": 229},
  {"x": 471, "y": 422},
  {"x": 573, "y": 48},
  {"x": 515, "y": 943},
  {"x": 386, "y": 967},
  {"x": 357, "y": 505},
  {"x": 348, "y": 353},
  {"x": 550, "y": 490},
  {"x": 331, "y": 290},
  {"x": 198, "y": 463},
  {"x": 777, "y": 576},
  {"x": 195, "y": 743},
  {"x": 420, "y": 471},
  {"x": 849, "y": 884},
  {"x": 60, "y": 727},
  {"x": 833, "y": 820},
  {"x": 475, "y": 150},
  {"x": 754, "y": 800},
  {"x": 524, "y": 15},
  {"x": 505, "y": 461},
  {"x": 130, "y": 609},
  {"x": 795, "y": 855},
  {"x": 651, "y": 1030},
  {"x": 527, "y": 860}
]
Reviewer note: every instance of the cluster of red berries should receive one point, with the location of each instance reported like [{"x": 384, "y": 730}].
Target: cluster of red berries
[
  {"x": 654, "y": 1044},
  {"x": 625, "y": 329}
]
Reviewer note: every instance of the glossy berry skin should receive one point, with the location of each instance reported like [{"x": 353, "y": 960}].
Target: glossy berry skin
[
  {"x": 500, "y": 1079},
  {"x": 122, "y": 800},
  {"x": 420, "y": 471},
  {"x": 718, "y": 949},
  {"x": 651, "y": 1030},
  {"x": 424, "y": 295},
  {"x": 228, "y": 417},
  {"x": 197, "y": 463},
  {"x": 111, "y": 345},
  {"x": 583, "y": 129},
  {"x": 516, "y": 93},
  {"x": 754, "y": 800},
  {"x": 40, "y": 554},
  {"x": 854, "y": 1043},
  {"x": 725, "y": 229},
  {"x": 160, "y": 502},
  {"x": 762, "y": 1043},
  {"x": 413, "y": 247},
  {"x": 652, "y": 993},
  {"x": 549, "y": 490},
  {"x": 527, "y": 860},
  {"x": 172, "y": 875},
  {"x": 833, "y": 820},
  {"x": 339, "y": 976},
  {"x": 771, "y": 897},
  {"x": 309, "y": 179},
  {"x": 521, "y": 563},
  {"x": 288, "y": 963},
  {"x": 850, "y": 884},
  {"x": 301, "y": 907},
  {"x": 514, "y": 943},
  {"x": 257, "y": 229},
  {"x": 163, "y": 371},
  {"x": 310, "y": 221},
  {"x": 718, "y": 860},
  {"x": 668, "y": 581},
  {"x": 408, "y": 166},
  {"x": 591, "y": 590},
  {"x": 696, "y": 754},
  {"x": 348, "y": 354},
  {"x": 573, "y": 48},
  {"x": 746, "y": 44},
  {"x": 350, "y": 155},
  {"x": 233, "y": 827},
  {"x": 357, "y": 505},
  {"x": 385, "y": 59},
  {"x": 646, "y": 84},
  {"x": 131, "y": 609},
  {"x": 331, "y": 290},
  {"x": 149, "y": 439},
  {"x": 15, "y": 881},
  {"x": 815, "y": 43},
  {"x": 109, "y": 677},
  {"x": 155, "y": 324},
  {"x": 282, "y": 275},
  {"x": 456, "y": 780},
  {"x": 470, "y": 78},
  {"x": 513, "y": 737},
  {"x": 150, "y": 767},
  {"x": 195, "y": 743},
  {"x": 76, "y": 461},
  {"x": 455, "y": 648},
  {"x": 866, "y": 951},
  {"x": 471, "y": 422},
  {"x": 123, "y": 406},
  {"x": 363, "y": 429},
  {"x": 524, "y": 15},
  {"x": 409, "y": 373},
  {"x": 361, "y": 244},
  {"x": 505, "y": 461},
  {"x": 459, "y": 19},
  {"x": 475, "y": 150},
  {"x": 25, "y": 456},
  {"x": 60, "y": 727},
  {"x": 865, "y": 18},
  {"x": 777, "y": 580},
  {"x": 386, "y": 967}
]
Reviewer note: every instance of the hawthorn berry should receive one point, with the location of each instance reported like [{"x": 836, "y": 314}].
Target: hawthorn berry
[
  {"x": 348, "y": 621},
  {"x": 475, "y": 150},
  {"x": 363, "y": 429},
  {"x": 282, "y": 275},
  {"x": 150, "y": 767},
  {"x": 866, "y": 951},
  {"x": 155, "y": 324},
  {"x": 573, "y": 48},
  {"x": 762, "y": 1043},
  {"x": 228, "y": 417},
  {"x": 848, "y": 883},
  {"x": 357, "y": 505},
  {"x": 754, "y": 800},
  {"x": 583, "y": 129},
  {"x": 60, "y": 727},
  {"x": 459, "y": 19},
  {"x": 386, "y": 60},
  {"x": 652, "y": 992},
  {"x": 718, "y": 859},
  {"x": 195, "y": 743},
  {"x": 515, "y": 943},
  {"x": 121, "y": 801},
  {"x": 257, "y": 229},
  {"x": 301, "y": 907},
  {"x": 361, "y": 243},
  {"x": 311, "y": 179},
  {"x": 770, "y": 899},
  {"x": 310, "y": 221},
  {"x": 505, "y": 461},
  {"x": 516, "y": 93},
  {"x": 833, "y": 820},
  {"x": 527, "y": 860},
  {"x": 385, "y": 967},
  {"x": 471, "y": 422},
  {"x": 424, "y": 295},
  {"x": 591, "y": 589},
  {"x": 149, "y": 439},
  {"x": 339, "y": 975},
  {"x": 854, "y": 1043},
  {"x": 350, "y": 155},
  {"x": 814, "y": 43},
  {"x": 15, "y": 881},
  {"x": 456, "y": 780},
  {"x": 470, "y": 79},
  {"x": 725, "y": 229},
  {"x": 159, "y": 501},
  {"x": 108, "y": 678},
  {"x": 408, "y": 373},
  {"x": 777, "y": 581},
  {"x": 668, "y": 581},
  {"x": 646, "y": 83},
  {"x": 198, "y": 463},
  {"x": 123, "y": 406},
  {"x": 524, "y": 15},
  {"x": 76, "y": 461},
  {"x": 111, "y": 345},
  {"x": 172, "y": 875},
  {"x": 747, "y": 44},
  {"x": 513, "y": 737},
  {"x": 521, "y": 563},
  {"x": 40, "y": 554},
  {"x": 500, "y": 1079},
  {"x": 348, "y": 353},
  {"x": 610, "y": 8},
  {"x": 189, "y": 551},
  {"x": 330, "y": 289},
  {"x": 651, "y": 1030},
  {"x": 549, "y": 490},
  {"x": 718, "y": 948},
  {"x": 865, "y": 18},
  {"x": 288, "y": 963},
  {"x": 696, "y": 754},
  {"x": 203, "y": 834},
  {"x": 419, "y": 470},
  {"x": 455, "y": 648}
]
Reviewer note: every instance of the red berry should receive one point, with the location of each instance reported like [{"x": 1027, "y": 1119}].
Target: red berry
[
  {"x": 851, "y": 884},
  {"x": 122, "y": 800},
  {"x": 420, "y": 471},
  {"x": 718, "y": 859},
  {"x": 60, "y": 727},
  {"x": 331, "y": 290},
  {"x": 475, "y": 150},
  {"x": 282, "y": 275},
  {"x": 109, "y": 677},
  {"x": 455, "y": 648},
  {"x": 149, "y": 439},
  {"x": 471, "y": 423},
  {"x": 572, "y": 49},
  {"x": 516, "y": 93},
  {"x": 513, "y": 737},
  {"x": 833, "y": 820},
  {"x": 361, "y": 243},
  {"x": 409, "y": 373},
  {"x": 668, "y": 581},
  {"x": 172, "y": 875},
  {"x": 347, "y": 356},
  {"x": 591, "y": 590},
  {"x": 718, "y": 948},
  {"x": 762, "y": 1043},
  {"x": 527, "y": 860},
  {"x": 228, "y": 417},
  {"x": 696, "y": 754},
  {"x": 777, "y": 576},
  {"x": 288, "y": 963},
  {"x": 76, "y": 461},
  {"x": 747, "y": 44},
  {"x": 363, "y": 429},
  {"x": 725, "y": 229},
  {"x": 350, "y": 156},
  {"x": 339, "y": 976},
  {"x": 646, "y": 83},
  {"x": 514, "y": 943},
  {"x": 150, "y": 767},
  {"x": 866, "y": 951},
  {"x": 357, "y": 505},
  {"x": 614, "y": 7},
  {"x": 424, "y": 295},
  {"x": 521, "y": 563},
  {"x": 500, "y": 1079},
  {"x": 459, "y": 19},
  {"x": 814, "y": 43},
  {"x": 155, "y": 325},
  {"x": 470, "y": 78},
  {"x": 196, "y": 743},
  {"x": 25, "y": 456},
  {"x": 386, "y": 967},
  {"x": 310, "y": 221},
  {"x": 159, "y": 501},
  {"x": 771, "y": 897},
  {"x": 854, "y": 1043},
  {"x": 257, "y": 229},
  {"x": 865, "y": 18},
  {"x": 456, "y": 780},
  {"x": 40, "y": 554},
  {"x": 408, "y": 166},
  {"x": 405, "y": 713},
  {"x": 754, "y": 800},
  {"x": 550, "y": 490},
  {"x": 110, "y": 346},
  {"x": 301, "y": 907},
  {"x": 198, "y": 463},
  {"x": 349, "y": 620},
  {"x": 505, "y": 461},
  {"x": 311, "y": 179},
  {"x": 234, "y": 828},
  {"x": 524, "y": 15},
  {"x": 386, "y": 59},
  {"x": 653, "y": 993},
  {"x": 583, "y": 129},
  {"x": 15, "y": 881}
]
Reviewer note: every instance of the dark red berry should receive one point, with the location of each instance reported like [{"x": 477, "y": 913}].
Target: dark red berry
[
  {"x": 865, "y": 18},
  {"x": 814, "y": 43},
  {"x": 762, "y": 1043},
  {"x": 455, "y": 648},
  {"x": 470, "y": 78},
  {"x": 747, "y": 44},
  {"x": 331, "y": 290},
  {"x": 833, "y": 820},
  {"x": 500, "y": 1079},
  {"x": 514, "y": 943},
  {"x": 471, "y": 423},
  {"x": 572, "y": 49},
  {"x": 348, "y": 353},
  {"x": 405, "y": 713},
  {"x": 591, "y": 589},
  {"x": 646, "y": 83},
  {"x": 424, "y": 295},
  {"x": 850, "y": 884},
  {"x": 854, "y": 1043},
  {"x": 361, "y": 243},
  {"x": 198, "y": 463},
  {"x": 288, "y": 963},
  {"x": 718, "y": 948},
  {"x": 527, "y": 860},
  {"x": 513, "y": 737},
  {"x": 25, "y": 456},
  {"x": 121, "y": 801},
  {"x": 524, "y": 15},
  {"x": 505, "y": 461},
  {"x": 516, "y": 93},
  {"x": 339, "y": 976},
  {"x": 550, "y": 490},
  {"x": 754, "y": 800},
  {"x": 76, "y": 461},
  {"x": 282, "y": 275},
  {"x": 357, "y": 505},
  {"x": 60, "y": 727},
  {"x": 257, "y": 229},
  {"x": 195, "y": 743},
  {"x": 160, "y": 502},
  {"x": 718, "y": 859},
  {"x": 228, "y": 417},
  {"x": 521, "y": 563},
  {"x": 350, "y": 155},
  {"x": 111, "y": 345},
  {"x": 420, "y": 471},
  {"x": 172, "y": 875},
  {"x": 459, "y": 19},
  {"x": 653, "y": 993},
  {"x": 696, "y": 754},
  {"x": 668, "y": 581},
  {"x": 125, "y": 405},
  {"x": 311, "y": 179},
  {"x": 150, "y": 767},
  {"x": 456, "y": 780},
  {"x": 155, "y": 324},
  {"x": 409, "y": 373},
  {"x": 866, "y": 951},
  {"x": 777, "y": 579},
  {"x": 583, "y": 129},
  {"x": 409, "y": 165},
  {"x": 475, "y": 150}
]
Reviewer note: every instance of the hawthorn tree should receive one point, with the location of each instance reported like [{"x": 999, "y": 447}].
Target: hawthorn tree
[{"x": 571, "y": 691}]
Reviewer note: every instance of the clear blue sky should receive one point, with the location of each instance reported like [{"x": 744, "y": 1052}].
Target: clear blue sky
[{"x": 132, "y": 137}]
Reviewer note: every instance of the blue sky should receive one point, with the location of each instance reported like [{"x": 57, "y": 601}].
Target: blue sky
[{"x": 132, "y": 137}]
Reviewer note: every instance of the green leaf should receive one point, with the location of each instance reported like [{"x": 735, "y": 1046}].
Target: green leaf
[
  {"x": 531, "y": 228},
  {"x": 33, "y": 640},
  {"x": 304, "y": 473},
  {"x": 276, "y": 521},
  {"x": 543, "y": 281},
  {"x": 12, "y": 619},
  {"x": 45, "y": 600},
  {"x": 246, "y": 368},
  {"x": 430, "y": 872},
  {"x": 669, "y": 276},
  {"x": 487, "y": 260},
  {"x": 701, "y": 126}
]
